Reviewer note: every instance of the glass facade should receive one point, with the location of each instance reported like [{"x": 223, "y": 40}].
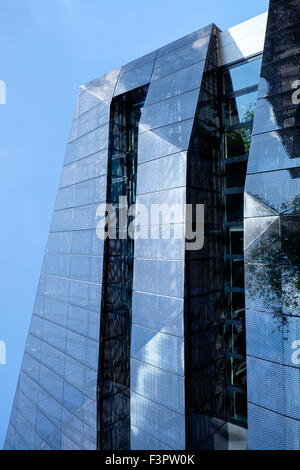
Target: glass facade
[
  {"x": 55, "y": 405},
  {"x": 142, "y": 343},
  {"x": 161, "y": 419},
  {"x": 204, "y": 290}
]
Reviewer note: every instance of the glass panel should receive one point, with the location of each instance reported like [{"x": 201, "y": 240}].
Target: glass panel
[
  {"x": 88, "y": 144},
  {"x": 269, "y": 115},
  {"x": 82, "y": 349},
  {"x": 236, "y": 174},
  {"x": 91, "y": 167},
  {"x": 237, "y": 142},
  {"x": 272, "y": 193},
  {"x": 236, "y": 241},
  {"x": 181, "y": 57},
  {"x": 238, "y": 372},
  {"x": 68, "y": 175},
  {"x": 264, "y": 336},
  {"x": 139, "y": 440},
  {"x": 275, "y": 151},
  {"x": 90, "y": 191},
  {"x": 28, "y": 409},
  {"x": 175, "y": 84},
  {"x": 80, "y": 405},
  {"x": 237, "y": 273},
  {"x": 62, "y": 220},
  {"x": 237, "y": 338},
  {"x": 157, "y": 421},
  {"x": 31, "y": 367},
  {"x": 52, "y": 383},
  {"x": 238, "y": 405},
  {"x": 85, "y": 101},
  {"x": 67, "y": 444},
  {"x": 50, "y": 407},
  {"x": 242, "y": 76},
  {"x": 86, "y": 268},
  {"x": 166, "y": 313},
  {"x": 55, "y": 311},
  {"x": 158, "y": 349},
  {"x": 53, "y": 359},
  {"x": 159, "y": 277},
  {"x": 239, "y": 109},
  {"x": 28, "y": 386},
  {"x": 54, "y": 287},
  {"x": 131, "y": 79},
  {"x": 86, "y": 242},
  {"x": 81, "y": 376},
  {"x": 185, "y": 40},
  {"x": 59, "y": 242},
  {"x": 134, "y": 64},
  {"x": 54, "y": 335},
  {"x": 47, "y": 431},
  {"x": 237, "y": 306},
  {"x": 174, "y": 196},
  {"x": 170, "y": 248},
  {"x": 58, "y": 265},
  {"x": 165, "y": 140},
  {"x": 84, "y": 322},
  {"x": 234, "y": 207},
  {"x": 163, "y": 173},
  {"x": 79, "y": 432},
  {"x": 85, "y": 217},
  {"x": 85, "y": 295},
  {"x": 26, "y": 432},
  {"x": 158, "y": 385},
  {"x": 168, "y": 111},
  {"x": 101, "y": 88},
  {"x": 95, "y": 117}
]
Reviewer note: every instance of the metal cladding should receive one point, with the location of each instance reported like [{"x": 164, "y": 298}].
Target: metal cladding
[{"x": 272, "y": 236}]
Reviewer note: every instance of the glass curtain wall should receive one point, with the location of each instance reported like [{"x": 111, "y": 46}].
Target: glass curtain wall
[
  {"x": 239, "y": 93},
  {"x": 114, "y": 358}
]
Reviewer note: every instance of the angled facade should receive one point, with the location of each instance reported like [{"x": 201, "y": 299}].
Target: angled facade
[{"x": 143, "y": 342}]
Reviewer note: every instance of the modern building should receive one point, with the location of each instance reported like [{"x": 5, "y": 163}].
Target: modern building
[{"x": 141, "y": 342}]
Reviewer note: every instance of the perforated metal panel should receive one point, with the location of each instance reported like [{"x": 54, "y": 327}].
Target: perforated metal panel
[{"x": 272, "y": 241}]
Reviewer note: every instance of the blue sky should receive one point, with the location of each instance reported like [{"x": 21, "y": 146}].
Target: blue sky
[{"x": 47, "y": 49}]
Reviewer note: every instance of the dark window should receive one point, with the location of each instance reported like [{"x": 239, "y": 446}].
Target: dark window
[
  {"x": 235, "y": 174},
  {"x": 237, "y": 142},
  {"x": 238, "y": 406},
  {"x": 237, "y": 273},
  {"x": 237, "y": 305},
  {"x": 236, "y": 338},
  {"x": 236, "y": 240},
  {"x": 234, "y": 207}
]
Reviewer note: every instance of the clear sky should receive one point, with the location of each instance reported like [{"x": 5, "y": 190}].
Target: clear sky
[{"x": 47, "y": 49}]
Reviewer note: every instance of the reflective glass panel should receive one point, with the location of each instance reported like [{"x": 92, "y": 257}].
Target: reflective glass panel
[
  {"x": 242, "y": 76},
  {"x": 239, "y": 109}
]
